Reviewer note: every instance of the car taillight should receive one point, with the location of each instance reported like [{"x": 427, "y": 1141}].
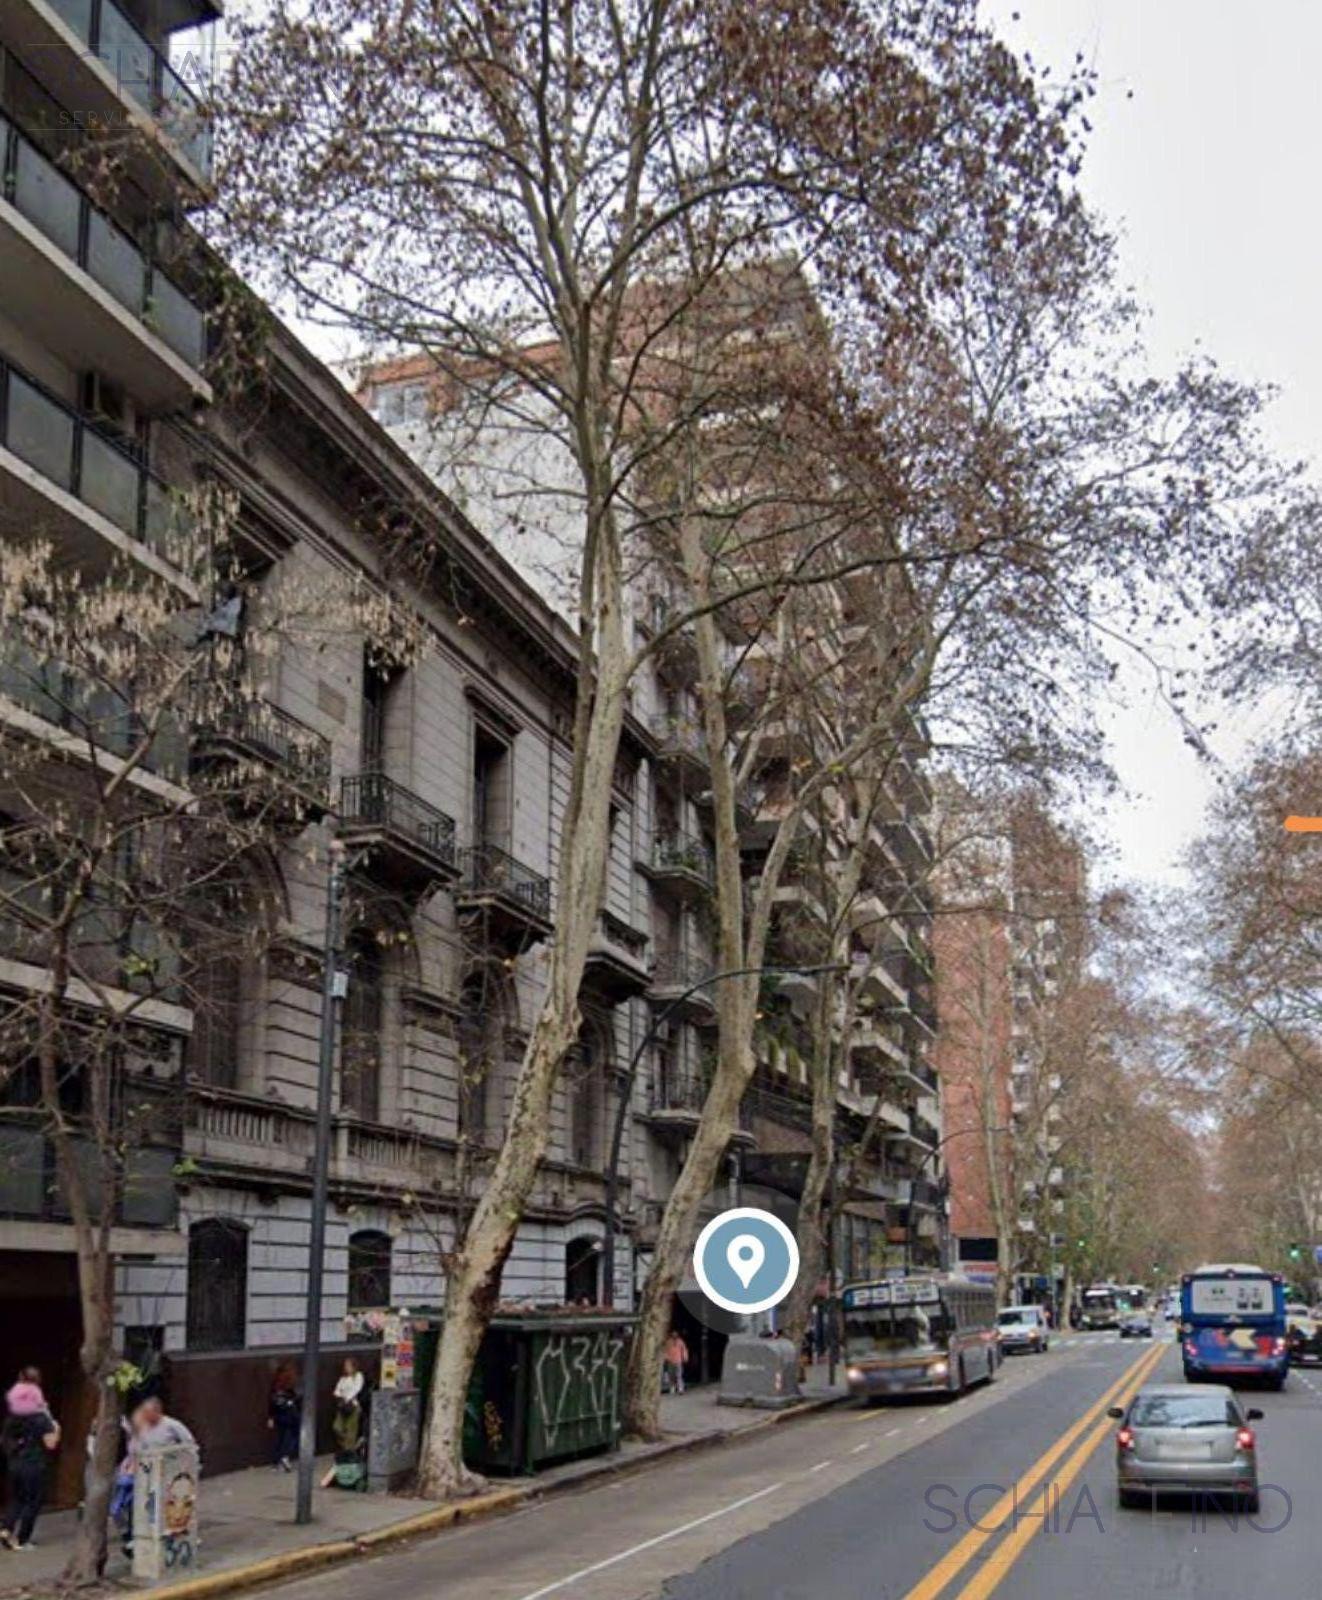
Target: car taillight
[
  {"x": 1125, "y": 1438},
  {"x": 1244, "y": 1439},
  {"x": 1190, "y": 1348},
  {"x": 1278, "y": 1347}
]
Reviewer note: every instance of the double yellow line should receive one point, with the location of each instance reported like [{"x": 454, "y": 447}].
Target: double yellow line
[{"x": 1011, "y": 1504}]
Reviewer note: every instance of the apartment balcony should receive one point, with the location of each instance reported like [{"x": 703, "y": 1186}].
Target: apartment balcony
[
  {"x": 682, "y": 746},
  {"x": 67, "y": 269},
  {"x": 617, "y": 959},
  {"x": 676, "y": 655},
  {"x": 870, "y": 1042},
  {"x": 31, "y": 1191},
  {"x": 263, "y": 755},
  {"x": 80, "y": 719},
  {"x": 407, "y": 843},
  {"x": 106, "y": 72},
  {"x": 674, "y": 988},
  {"x": 681, "y": 866},
  {"x": 676, "y": 1102},
  {"x": 63, "y": 477},
  {"x": 512, "y": 899}
]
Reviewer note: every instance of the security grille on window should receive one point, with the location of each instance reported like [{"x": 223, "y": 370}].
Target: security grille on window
[
  {"x": 369, "y": 1269},
  {"x": 217, "y": 1285}
]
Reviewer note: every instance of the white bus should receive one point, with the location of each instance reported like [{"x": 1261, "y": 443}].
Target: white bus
[{"x": 923, "y": 1335}]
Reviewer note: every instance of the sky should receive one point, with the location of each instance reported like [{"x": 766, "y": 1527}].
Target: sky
[{"x": 1206, "y": 124}]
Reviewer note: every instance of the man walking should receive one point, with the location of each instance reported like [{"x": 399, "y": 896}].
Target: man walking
[{"x": 673, "y": 1359}]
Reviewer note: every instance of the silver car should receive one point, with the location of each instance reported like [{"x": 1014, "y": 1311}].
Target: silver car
[{"x": 1186, "y": 1439}]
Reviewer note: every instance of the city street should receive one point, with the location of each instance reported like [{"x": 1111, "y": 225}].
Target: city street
[{"x": 908, "y": 1502}]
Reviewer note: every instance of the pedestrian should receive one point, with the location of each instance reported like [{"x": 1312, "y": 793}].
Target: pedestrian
[
  {"x": 29, "y": 1439},
  {"x": 346, "y": 1425},
  {"x": 152, "y": 1428},
  {"x": 674, "y": 1358},
  {"x": 284, "y": 1411},
  {"x": 25, "y": 1398}
]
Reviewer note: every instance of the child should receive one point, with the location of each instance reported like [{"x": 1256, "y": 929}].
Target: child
[{"x": 25, "y": 1398}]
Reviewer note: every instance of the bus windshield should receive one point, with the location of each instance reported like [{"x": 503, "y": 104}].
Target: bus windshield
[
  {"x": 883, "y": 1329},
  {"x": 1231, "y": 1297}
]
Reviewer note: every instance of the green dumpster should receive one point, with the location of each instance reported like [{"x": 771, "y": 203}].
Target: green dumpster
[{"x": 546, "y": 1388}]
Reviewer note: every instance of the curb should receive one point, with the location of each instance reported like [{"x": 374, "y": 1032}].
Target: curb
[{"x": 309, "y": 1558}]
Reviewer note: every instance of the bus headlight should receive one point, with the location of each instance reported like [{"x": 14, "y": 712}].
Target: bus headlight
[
  {"x": 853, "y": 1375},
  {"x": 939, "y": 1369}
]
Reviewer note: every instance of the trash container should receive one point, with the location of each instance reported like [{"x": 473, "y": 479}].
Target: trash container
[
  {"x": 546, "y": 1388},
  {"x": 759, "y": 1372}
]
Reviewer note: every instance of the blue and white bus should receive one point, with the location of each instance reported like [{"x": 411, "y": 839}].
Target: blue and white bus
[{"x": 1232, "y": 1324}]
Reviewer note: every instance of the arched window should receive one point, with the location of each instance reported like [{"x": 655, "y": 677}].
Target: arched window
[
  {"x": 369, "y": 1269},
  {"x": 582, "y": 1271},
  {"x": 364, "y": 1019},
  {"x": 217, "y": 1285}
]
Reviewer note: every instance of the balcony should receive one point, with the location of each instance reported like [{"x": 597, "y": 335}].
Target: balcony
[
  {"x": 681, "y": 744},
  {"x": 677, "y": 1099},
  {"x": 106, "y": 72},
  {"x": 407, "y": 843},
  {"x": 513, "y": 901},
  {"x": 682, "y": 866},
  {"x": 66, "y": 268},
  {"x": 62, "y": 477},
  {"x": 673, "y": 990},
  {"x": 617, "y": 959},
  {"x": 89, "y": 716},
  {"x": 264, "y": 755}
]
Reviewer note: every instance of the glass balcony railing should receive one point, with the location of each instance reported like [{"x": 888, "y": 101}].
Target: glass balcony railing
[
  {"x": 92, "y": 712},
  {"x": 76, "y": 456},
  {"x": 55, "y": 205},
  {"x": 142, "y": 73}
]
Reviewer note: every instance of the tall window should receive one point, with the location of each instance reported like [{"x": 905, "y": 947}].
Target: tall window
[
  {"x": 217, "y": 1285},
  {"x": 480, "y": 1039},
  {"x": 491, "y": 789},
  {"x": 364, "y": 1019},
  {"x": 369, "y": 1269},
  {"x": 585, "y": 1084}
]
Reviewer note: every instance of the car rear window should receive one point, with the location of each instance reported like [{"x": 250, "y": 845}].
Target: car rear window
[
  {"x": 1007, "y": 1319},
  {"x": 1183, "y": 1411}
]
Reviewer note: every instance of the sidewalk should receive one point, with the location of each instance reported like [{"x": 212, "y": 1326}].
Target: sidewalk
[{"x": 247, "y": 1517}]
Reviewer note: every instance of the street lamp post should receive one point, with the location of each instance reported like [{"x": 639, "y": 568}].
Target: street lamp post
[
  {"x": 630, "y": 1077},
  {"x": 332, "y": 992}
]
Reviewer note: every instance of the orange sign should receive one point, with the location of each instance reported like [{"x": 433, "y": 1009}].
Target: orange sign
[{"x": 1303, "y": 824}]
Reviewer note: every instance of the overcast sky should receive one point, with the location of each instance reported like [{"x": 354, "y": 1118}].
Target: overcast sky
[{"x": 1206, "y": 127}]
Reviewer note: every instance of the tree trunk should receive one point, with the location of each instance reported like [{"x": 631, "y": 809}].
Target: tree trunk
[
  {"x": 814, "y": 1219},
  {"x": 473, "y": 1285}
]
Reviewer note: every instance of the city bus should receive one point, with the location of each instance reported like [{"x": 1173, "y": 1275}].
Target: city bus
[
  {"x": 934, "y": 1334},
  {"x": 1232, "y": 1324}
]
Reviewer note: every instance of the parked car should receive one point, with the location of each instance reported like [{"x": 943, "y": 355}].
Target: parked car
[
  {"x": 1023, "y": 1328},
  {"x": 1136, "y": 1325},
  {"x": 1185, "y": 1439}
]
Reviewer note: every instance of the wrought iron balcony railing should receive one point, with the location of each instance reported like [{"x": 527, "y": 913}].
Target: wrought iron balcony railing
[
  {"x": 681, "y": 852},
  {"x": 487, "y": 869},
  {"x": 272, "y": 734},
  {"x": 370, "y": 799}
]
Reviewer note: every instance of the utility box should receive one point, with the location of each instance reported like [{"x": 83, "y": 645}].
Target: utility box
[
  {"x": 759, "y": 1372},
  {"x": 165, "y": 1512},
  {"x": 394, "y": 1426}
]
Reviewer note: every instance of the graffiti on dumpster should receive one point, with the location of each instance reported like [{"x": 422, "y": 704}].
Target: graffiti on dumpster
[{"x": 576, "y": 1375}]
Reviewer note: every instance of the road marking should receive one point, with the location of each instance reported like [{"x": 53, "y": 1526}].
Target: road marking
[
  {"x": 958, "y": 1557},
  {"x": 650, "y": 1544},
  {"x": 1016, "y": 1541},
  {"x": 866, "y": 1443},
  {"x": 891, "y": 1432},
  {"x": 821, "y": 1464}
]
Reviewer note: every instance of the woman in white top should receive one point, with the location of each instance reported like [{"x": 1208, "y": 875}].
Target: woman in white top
[{"x": 350, "y": 1385}]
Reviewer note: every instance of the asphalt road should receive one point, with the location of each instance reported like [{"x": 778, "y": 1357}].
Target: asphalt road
[{"x": 908, "y": 1502}]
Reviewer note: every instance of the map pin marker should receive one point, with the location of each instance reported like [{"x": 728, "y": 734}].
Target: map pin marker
[{"x": 745, "y": 1253}]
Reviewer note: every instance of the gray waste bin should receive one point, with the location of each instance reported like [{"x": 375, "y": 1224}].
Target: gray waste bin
[{"x": 759, "y": 1372}]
